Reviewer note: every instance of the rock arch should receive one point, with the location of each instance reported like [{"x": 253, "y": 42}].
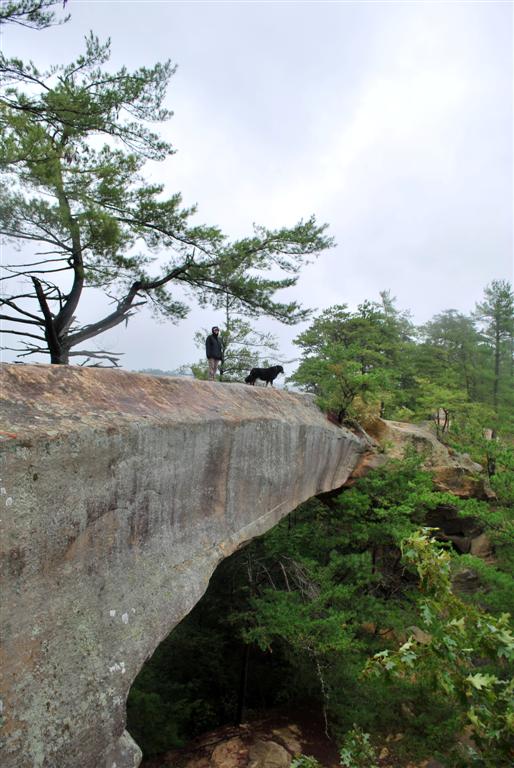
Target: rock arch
[{"x": 120, "y": 493}]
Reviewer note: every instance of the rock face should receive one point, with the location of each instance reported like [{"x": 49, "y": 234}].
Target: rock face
[
  {"x": 120, "y": 493},
  {"x": 452, "y": 472}
]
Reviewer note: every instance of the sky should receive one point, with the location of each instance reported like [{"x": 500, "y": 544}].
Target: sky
[{"x": 390, "y": 121}]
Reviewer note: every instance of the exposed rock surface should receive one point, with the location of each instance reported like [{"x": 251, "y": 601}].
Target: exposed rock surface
[
  {"x": 260, "y": 744},
  {"x": 452, "y": 472},
  {"x": 482, "y": 547},
  {"x": 254, "y": 744},
  {"x": 230, "y": 754},
  {"x": 120, "y": 494},
  {"x": 268, "y": 754}
]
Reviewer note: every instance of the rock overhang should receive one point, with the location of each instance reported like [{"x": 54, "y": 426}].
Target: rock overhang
[{"x": 125, "y": 490}]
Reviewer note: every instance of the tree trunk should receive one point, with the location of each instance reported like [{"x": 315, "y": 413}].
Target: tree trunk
[
  {"x": 496, "y": 366},
  {"x": 59, "y": 357},
  {"x": 243, "y": 682}
]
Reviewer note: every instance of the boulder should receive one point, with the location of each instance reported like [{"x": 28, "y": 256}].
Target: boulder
[
  {"x": 229, "y": 754},
  {"x": 461, "y": 543},
  {"x": 194, "y": 762},
  {"x": 268, "y": 754},
  {"x": 420, "y": 636},
  {"x": 465, "y": 582},
  {"x": 482, "y": 547},
  {"x": 289, "y": 737}
]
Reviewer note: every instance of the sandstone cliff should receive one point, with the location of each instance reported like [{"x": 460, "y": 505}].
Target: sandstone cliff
[{"x": 120, "y": 493}]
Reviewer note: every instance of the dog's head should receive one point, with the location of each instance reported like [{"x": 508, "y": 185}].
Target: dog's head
[
  {"x": 279, "y": 369},
  {"x": 248, "y": 379}
]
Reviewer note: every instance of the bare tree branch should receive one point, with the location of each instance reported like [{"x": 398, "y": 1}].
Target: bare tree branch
[
  {"x": 123, "y": 311},
  {"x": 12, "y": 305},
  {"x": 21, "y": 320},
  {"x": 23, "y": 333}
]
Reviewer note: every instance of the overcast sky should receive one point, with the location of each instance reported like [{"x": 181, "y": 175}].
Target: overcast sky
[{"x": 391, "y": 121}]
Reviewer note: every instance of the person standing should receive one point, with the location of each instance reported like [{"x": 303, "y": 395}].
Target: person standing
[{"x": 214, "y": 351}]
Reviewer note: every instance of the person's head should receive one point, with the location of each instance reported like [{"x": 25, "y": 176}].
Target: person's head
[{"x": 215, "y": 330}]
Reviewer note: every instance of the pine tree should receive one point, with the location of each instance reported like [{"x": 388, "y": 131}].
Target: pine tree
[{"x": 73, "y": 147}]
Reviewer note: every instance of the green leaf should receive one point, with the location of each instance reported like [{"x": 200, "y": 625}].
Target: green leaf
[{"x": 480, "y": 681}]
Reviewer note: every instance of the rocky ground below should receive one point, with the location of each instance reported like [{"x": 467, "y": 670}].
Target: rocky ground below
[{"x": 273, "y": 743}]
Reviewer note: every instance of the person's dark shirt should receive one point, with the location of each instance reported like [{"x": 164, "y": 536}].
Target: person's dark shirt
[{"x": 214, "y": 347}]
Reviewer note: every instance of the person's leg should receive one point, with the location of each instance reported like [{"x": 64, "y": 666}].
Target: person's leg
[{"x": 213, "y": 365}]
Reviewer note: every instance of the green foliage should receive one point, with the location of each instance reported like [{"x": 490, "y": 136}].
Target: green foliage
[
  {"x": 304, "y": 761},
  {"x": 310, "y": 602},
  {"x": 187, "y": 687},
  {"x": 156, "y": 725},
  {"x": 503, "y": 479},
  {"x": 496, "y": 316},
  {"x": 464, "y": 652},
  {"x": 347, "y": 354},
  {"x": 496, "y": 592},
  {"x": 357, "y": 750},
  {"x": 454, "y": 370},
  {"x": 450, "y": 349},
  {"x": 35, "y": 14}
]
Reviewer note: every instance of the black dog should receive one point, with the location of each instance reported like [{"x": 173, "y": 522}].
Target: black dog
[{"x": 265, "y": 374}]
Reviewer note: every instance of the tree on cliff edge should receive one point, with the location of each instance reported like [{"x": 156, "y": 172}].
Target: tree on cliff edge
[{"x": 73, "y": 144}]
